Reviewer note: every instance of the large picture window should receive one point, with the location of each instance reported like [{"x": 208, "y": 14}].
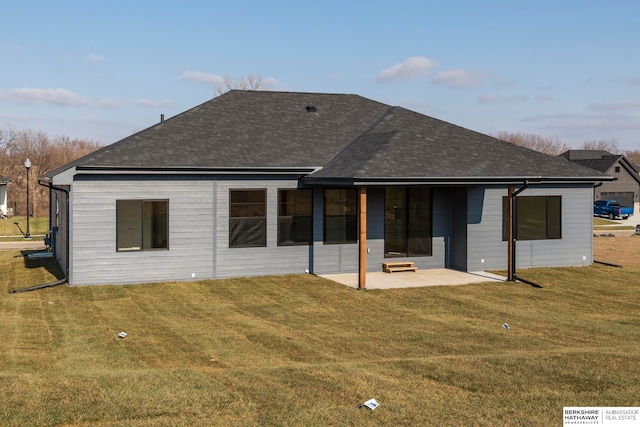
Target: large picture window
[
  {"x": 142, "y": 225},
  {"x": 407, "y": 224},
  {"x": 247, "y": 218},
  {"x": 294, "y": 217},
  {"x": 340, "y": 215},
  {"x": 538, "y": 217}
]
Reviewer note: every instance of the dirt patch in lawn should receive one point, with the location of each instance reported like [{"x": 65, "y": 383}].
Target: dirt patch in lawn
[{"x": 621, "y": 250}]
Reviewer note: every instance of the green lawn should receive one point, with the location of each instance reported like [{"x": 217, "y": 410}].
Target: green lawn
[
  {"x": 605, "y": 224},
  {"x": 16, "y": 226},
  {"x": 300, "y": 350}
]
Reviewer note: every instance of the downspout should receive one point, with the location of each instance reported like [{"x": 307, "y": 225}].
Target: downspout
[
  {"x": 66, "y": 273},
  {"x": 594, "y": 189},
  {"x": 36, "y": 287},
  {"x": 513, "y": 227}
]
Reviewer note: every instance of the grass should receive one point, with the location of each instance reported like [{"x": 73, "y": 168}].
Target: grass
[
  {"x": 15, "y": 227},
  {"x": 599, "y": 221},
  {"x": 605, "y": 224},
  {"x": 300, "y": 350}
]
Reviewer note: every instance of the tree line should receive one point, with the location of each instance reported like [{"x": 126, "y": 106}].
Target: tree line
[
  {"x": 45, "y": 153},
  {"x": 554, "y": 146}
]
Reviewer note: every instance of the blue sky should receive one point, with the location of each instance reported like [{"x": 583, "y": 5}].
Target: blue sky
[{"x": 103, "y": 70}]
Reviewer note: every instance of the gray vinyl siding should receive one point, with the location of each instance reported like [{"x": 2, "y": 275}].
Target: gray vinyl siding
[
  {"x": 269, "y": 260},
  {"x": 59, "y": 215},
  {"x": 94, "y": 256},
  {"x": 486, "y": 250},
  {"x": 198, "y": 232}
]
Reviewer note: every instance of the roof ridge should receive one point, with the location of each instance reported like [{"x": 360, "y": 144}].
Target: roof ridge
[{"x": 358, "y": 137}]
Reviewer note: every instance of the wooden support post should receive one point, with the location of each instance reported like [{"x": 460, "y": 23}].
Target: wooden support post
[
  {"x": 362, "y": 259},
  {"x": 510, "y": 231}
]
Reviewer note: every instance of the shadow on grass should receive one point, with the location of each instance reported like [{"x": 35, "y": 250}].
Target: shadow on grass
[
  {"x": 17, "y": 224},
  {"x": 49, "y": 264}
]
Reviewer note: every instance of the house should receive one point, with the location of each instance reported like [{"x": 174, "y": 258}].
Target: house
[
  {"x": 3, "y": 196},
  {"x": 267, "y": 183},
  {"x": 625, "y": 188}
]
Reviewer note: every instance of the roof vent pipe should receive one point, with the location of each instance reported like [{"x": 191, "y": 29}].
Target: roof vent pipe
[
  {"x": 311, "y": 108},
  {"x": 161, "y": 118}
]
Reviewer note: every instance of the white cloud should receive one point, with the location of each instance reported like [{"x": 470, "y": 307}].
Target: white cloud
[
  {"x": 146, "y": 102},
  {"x": 460, "y": 78},
  {"x": 413, "y": 68},
  {"x": 50, "y": 96},
  {"x": 94, "y": 58},
  {"x": 199, "y": 77}
]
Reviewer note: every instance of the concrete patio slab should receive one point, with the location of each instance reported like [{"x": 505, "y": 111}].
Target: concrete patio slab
[{"x": 420, "y": 278}]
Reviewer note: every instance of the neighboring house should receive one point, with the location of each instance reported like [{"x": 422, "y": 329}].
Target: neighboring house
[
  {"x": 3, "y": 195},
  {"x": 625, "y": 188},
  {"x": 266, "y": 183}
]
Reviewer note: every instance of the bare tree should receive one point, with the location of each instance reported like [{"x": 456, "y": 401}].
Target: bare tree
[
  {"x": 610, "y": 145},
  {"x": 251, "y": 82},
  {"x": 633, "y": 156},
  {"x": 547, "y": 145},
  {"x": 45, "y": 154},
  {"x": 8, "y": 141}
]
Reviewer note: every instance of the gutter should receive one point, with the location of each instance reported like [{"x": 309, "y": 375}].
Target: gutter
[
  {"x": 120, "y": 170},
  {"x": 449, "y": 181}
]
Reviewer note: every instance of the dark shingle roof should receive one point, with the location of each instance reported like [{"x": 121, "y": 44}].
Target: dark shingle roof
[
  {"x": 406, "y": 144},
  {"x": 601, "y": 161},
  {"x": 603, "y": 164},
  {"x": 245, "y": 129},
  {"x": 4, "y": 180},
  {"x": 586, "y": 154},
  {"x": 348, "y": 136}
]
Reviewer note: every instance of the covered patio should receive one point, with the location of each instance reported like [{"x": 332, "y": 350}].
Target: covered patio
[{"x": 420, "y": 278}]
